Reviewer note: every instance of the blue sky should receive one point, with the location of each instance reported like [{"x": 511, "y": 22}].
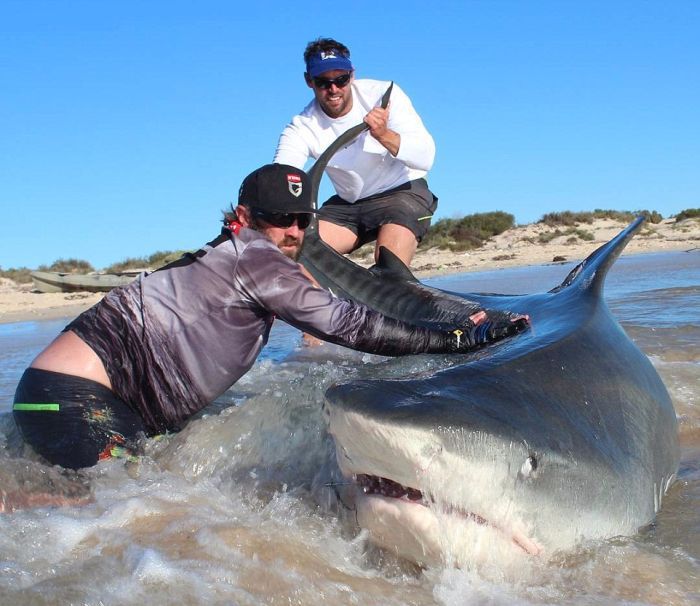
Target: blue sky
[{"x": 125, "y": 127}]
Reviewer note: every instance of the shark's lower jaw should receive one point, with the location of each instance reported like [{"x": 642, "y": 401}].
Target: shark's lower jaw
[
  {"x": 427, "y": 503},
  {"x": 384, "y": 506}
]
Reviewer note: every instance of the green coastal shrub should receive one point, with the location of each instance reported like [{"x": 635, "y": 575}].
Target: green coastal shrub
[
  {"x": 566, "y": 218},
  {"x": 651, "y": 215},
  {"x": 20, "y": 275},
  {"x": 688, "y": 213},
  {"x": 582, "y": 234},
  {"x": 153, "y": 261},
  {"x": 68, "y": 266},
  {"x": 569, "y": 218},
  {"x": 467, "y": 232},
  {"x": 548, "y": 236}
]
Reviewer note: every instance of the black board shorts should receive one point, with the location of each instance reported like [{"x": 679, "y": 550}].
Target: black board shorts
[
  {"x": 411, "y": 205},
  {"x": 74, "y": 422}
]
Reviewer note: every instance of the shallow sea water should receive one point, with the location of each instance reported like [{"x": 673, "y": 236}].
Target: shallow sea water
[{"x": 231, "y": 510}]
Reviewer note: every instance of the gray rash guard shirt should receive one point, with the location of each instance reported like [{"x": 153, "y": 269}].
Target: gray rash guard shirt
[{"x": 175, "y": 339}]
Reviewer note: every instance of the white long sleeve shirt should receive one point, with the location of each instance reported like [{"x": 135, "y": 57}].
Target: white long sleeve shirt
[{"x": 365, "y": 167}]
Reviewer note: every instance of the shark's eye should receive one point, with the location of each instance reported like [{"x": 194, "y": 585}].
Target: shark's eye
[{"x": 529, "y": 467}]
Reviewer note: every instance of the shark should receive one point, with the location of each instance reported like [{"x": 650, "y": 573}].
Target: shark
[{"x": 535, "y": 445}]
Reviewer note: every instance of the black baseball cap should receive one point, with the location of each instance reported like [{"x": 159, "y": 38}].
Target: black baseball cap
[{"x": 277, "y": 188}]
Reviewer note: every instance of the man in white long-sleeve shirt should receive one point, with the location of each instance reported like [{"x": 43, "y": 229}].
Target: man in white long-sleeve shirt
[{"x": 381, "y": 191}]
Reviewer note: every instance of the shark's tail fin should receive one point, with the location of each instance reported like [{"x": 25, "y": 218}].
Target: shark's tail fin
[
  {"x": 316, "y": 171},
  {"x": 322, "y": 261},
  {"x": 591, "y": 272}
]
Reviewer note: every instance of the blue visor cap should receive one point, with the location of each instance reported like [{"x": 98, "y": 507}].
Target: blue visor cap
[{"x": 326, "y": 61}]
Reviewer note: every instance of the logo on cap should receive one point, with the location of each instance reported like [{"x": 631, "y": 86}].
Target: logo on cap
[
  {"x": 328, "y": 55},
  {"x": 294, "y": 182}
]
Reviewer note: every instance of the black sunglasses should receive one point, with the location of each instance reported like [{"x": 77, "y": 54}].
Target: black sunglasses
[
  {"x": 303, "y": 220},
  {"x": 325, "y": 83}
]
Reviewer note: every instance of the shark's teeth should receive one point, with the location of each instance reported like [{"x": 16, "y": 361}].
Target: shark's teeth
[
  {"x": 375, "y": 485},
  {"x": 387, "y": 488}
]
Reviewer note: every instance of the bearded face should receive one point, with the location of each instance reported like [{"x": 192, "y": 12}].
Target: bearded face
[{"x": 287, "y": 239}]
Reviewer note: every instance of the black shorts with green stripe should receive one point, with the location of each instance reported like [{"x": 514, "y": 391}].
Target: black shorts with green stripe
[
  {"x": 74, "y": 422},
  {"x": 411, "y": 205}
]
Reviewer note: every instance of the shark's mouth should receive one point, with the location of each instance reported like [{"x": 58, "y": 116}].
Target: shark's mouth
[
  {"x": 384, "y": 487},
  {"x": 388, "y": 488}
]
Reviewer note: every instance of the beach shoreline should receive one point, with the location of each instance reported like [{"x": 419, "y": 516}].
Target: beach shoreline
[{"x": 518, "y": 247}]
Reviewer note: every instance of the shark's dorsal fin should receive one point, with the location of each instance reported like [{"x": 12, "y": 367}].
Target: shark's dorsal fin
[
  {"x": 591, "y": 272},
  {"x": 388, "y": 262}
]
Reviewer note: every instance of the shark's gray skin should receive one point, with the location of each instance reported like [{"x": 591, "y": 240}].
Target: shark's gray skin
[{"x": 562, "y": 434}]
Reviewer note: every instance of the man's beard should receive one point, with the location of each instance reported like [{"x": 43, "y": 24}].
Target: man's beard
[{"x": 293, "y": 254}]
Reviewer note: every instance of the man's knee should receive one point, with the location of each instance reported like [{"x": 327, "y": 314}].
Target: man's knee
[
  {"x": 341, "y": 239},
  {"x": 399, "y": 239}
]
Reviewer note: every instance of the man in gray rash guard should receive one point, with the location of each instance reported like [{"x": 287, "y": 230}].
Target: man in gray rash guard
[{"x": 151, "y": 354}]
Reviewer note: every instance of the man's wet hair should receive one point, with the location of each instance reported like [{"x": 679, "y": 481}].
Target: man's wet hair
[
  {"x": 229, "y": 215},
  {"x": 322, "y": 45}
]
